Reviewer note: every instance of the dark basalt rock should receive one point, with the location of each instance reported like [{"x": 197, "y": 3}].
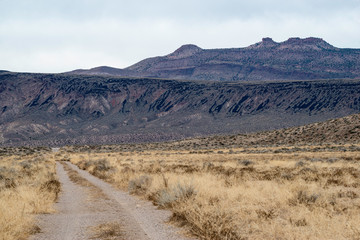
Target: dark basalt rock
[{"x": 56, "y": 109}]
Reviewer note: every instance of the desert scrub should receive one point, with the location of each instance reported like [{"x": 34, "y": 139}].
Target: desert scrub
[
  {"x": 140, "y": 185},
  {"x": 171, "y": 196},
  {"x": 249, "y": 193},
  {"x": 28, "y": 186},
  {"x": 207, "y": 221}
]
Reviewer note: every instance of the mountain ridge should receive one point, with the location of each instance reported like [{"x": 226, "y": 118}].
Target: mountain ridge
[
  {"x": 60, "y": 109},
  {"x": 293, "y": 59}
]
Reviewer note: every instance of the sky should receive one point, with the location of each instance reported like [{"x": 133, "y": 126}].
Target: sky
[{"x": 57, "y": 36}]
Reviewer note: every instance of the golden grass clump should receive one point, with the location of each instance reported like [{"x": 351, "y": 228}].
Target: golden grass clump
[
  {"x": 108, "y": 231},
  {"x": 284, "y": 192},
  {"x": 28, "y": 186}
]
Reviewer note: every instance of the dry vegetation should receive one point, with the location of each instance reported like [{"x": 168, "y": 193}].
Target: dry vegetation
[
  {"x": 308, "y": 192},
  {"x": 28, "y": 186},
  {"x": 226, "y": 187},
  {"x": 108, "y": 231}
]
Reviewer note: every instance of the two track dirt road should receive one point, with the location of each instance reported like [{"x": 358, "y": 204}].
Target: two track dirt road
[{"x": 92, "y": 202}]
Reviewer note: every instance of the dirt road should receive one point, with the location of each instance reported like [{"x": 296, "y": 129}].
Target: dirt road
[{"x": 91, "y": 202}]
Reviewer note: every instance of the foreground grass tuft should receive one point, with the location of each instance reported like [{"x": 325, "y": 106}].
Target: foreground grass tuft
[{"x": 108, "y": 231}]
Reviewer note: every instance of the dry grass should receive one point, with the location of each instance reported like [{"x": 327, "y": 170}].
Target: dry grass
[
  {"x": 108, "y": 231},
  {"x": 252, "y": 193},
  {"x": 28, "y": 186}
]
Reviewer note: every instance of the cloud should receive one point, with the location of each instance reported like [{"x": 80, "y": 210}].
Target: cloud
[{"x": 170, "y": 9}]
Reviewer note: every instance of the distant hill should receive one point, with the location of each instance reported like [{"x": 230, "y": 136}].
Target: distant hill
[
  {"x": 330, "y": 135},
  {"x": 294, "y": 59},
  {"x": 58, "y": 109},
  {"x": 344, "y": 130}
]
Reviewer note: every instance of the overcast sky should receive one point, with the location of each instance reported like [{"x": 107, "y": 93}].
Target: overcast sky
[{"x": 63, "y": 35}]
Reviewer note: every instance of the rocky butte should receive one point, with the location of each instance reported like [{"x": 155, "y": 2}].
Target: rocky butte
[{"x": 294, "y": 59}]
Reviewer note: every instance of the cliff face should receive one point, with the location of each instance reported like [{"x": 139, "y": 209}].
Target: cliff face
[
  {"x": 60, "y": 109},
  {"x": 294, "y": 59}
]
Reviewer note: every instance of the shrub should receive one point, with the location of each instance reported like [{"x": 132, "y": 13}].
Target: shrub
[
  {"x": 207, "y": 165},
  {"x": 245, "y": 162},
  {"x": 209, "y": 222},
  {"x": 299, "y": 164},
  {"x": 332, "y": 160},
  {"x": 10, "y": 183},
  {"x": 169, "y": 196},
  {"x": 100, "y": 168},
  {"x": 102, "y": 165},
  {"x": 305, "y": 198},
  {"x": 140, "y": 185},
  {"x": 25, "y": 164}
]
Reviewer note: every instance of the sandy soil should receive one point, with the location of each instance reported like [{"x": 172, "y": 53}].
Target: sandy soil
[{"x": 79, "y": 209}]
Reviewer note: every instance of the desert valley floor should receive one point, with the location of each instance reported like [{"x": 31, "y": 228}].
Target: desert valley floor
[{"x": 267, "y": 185}]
